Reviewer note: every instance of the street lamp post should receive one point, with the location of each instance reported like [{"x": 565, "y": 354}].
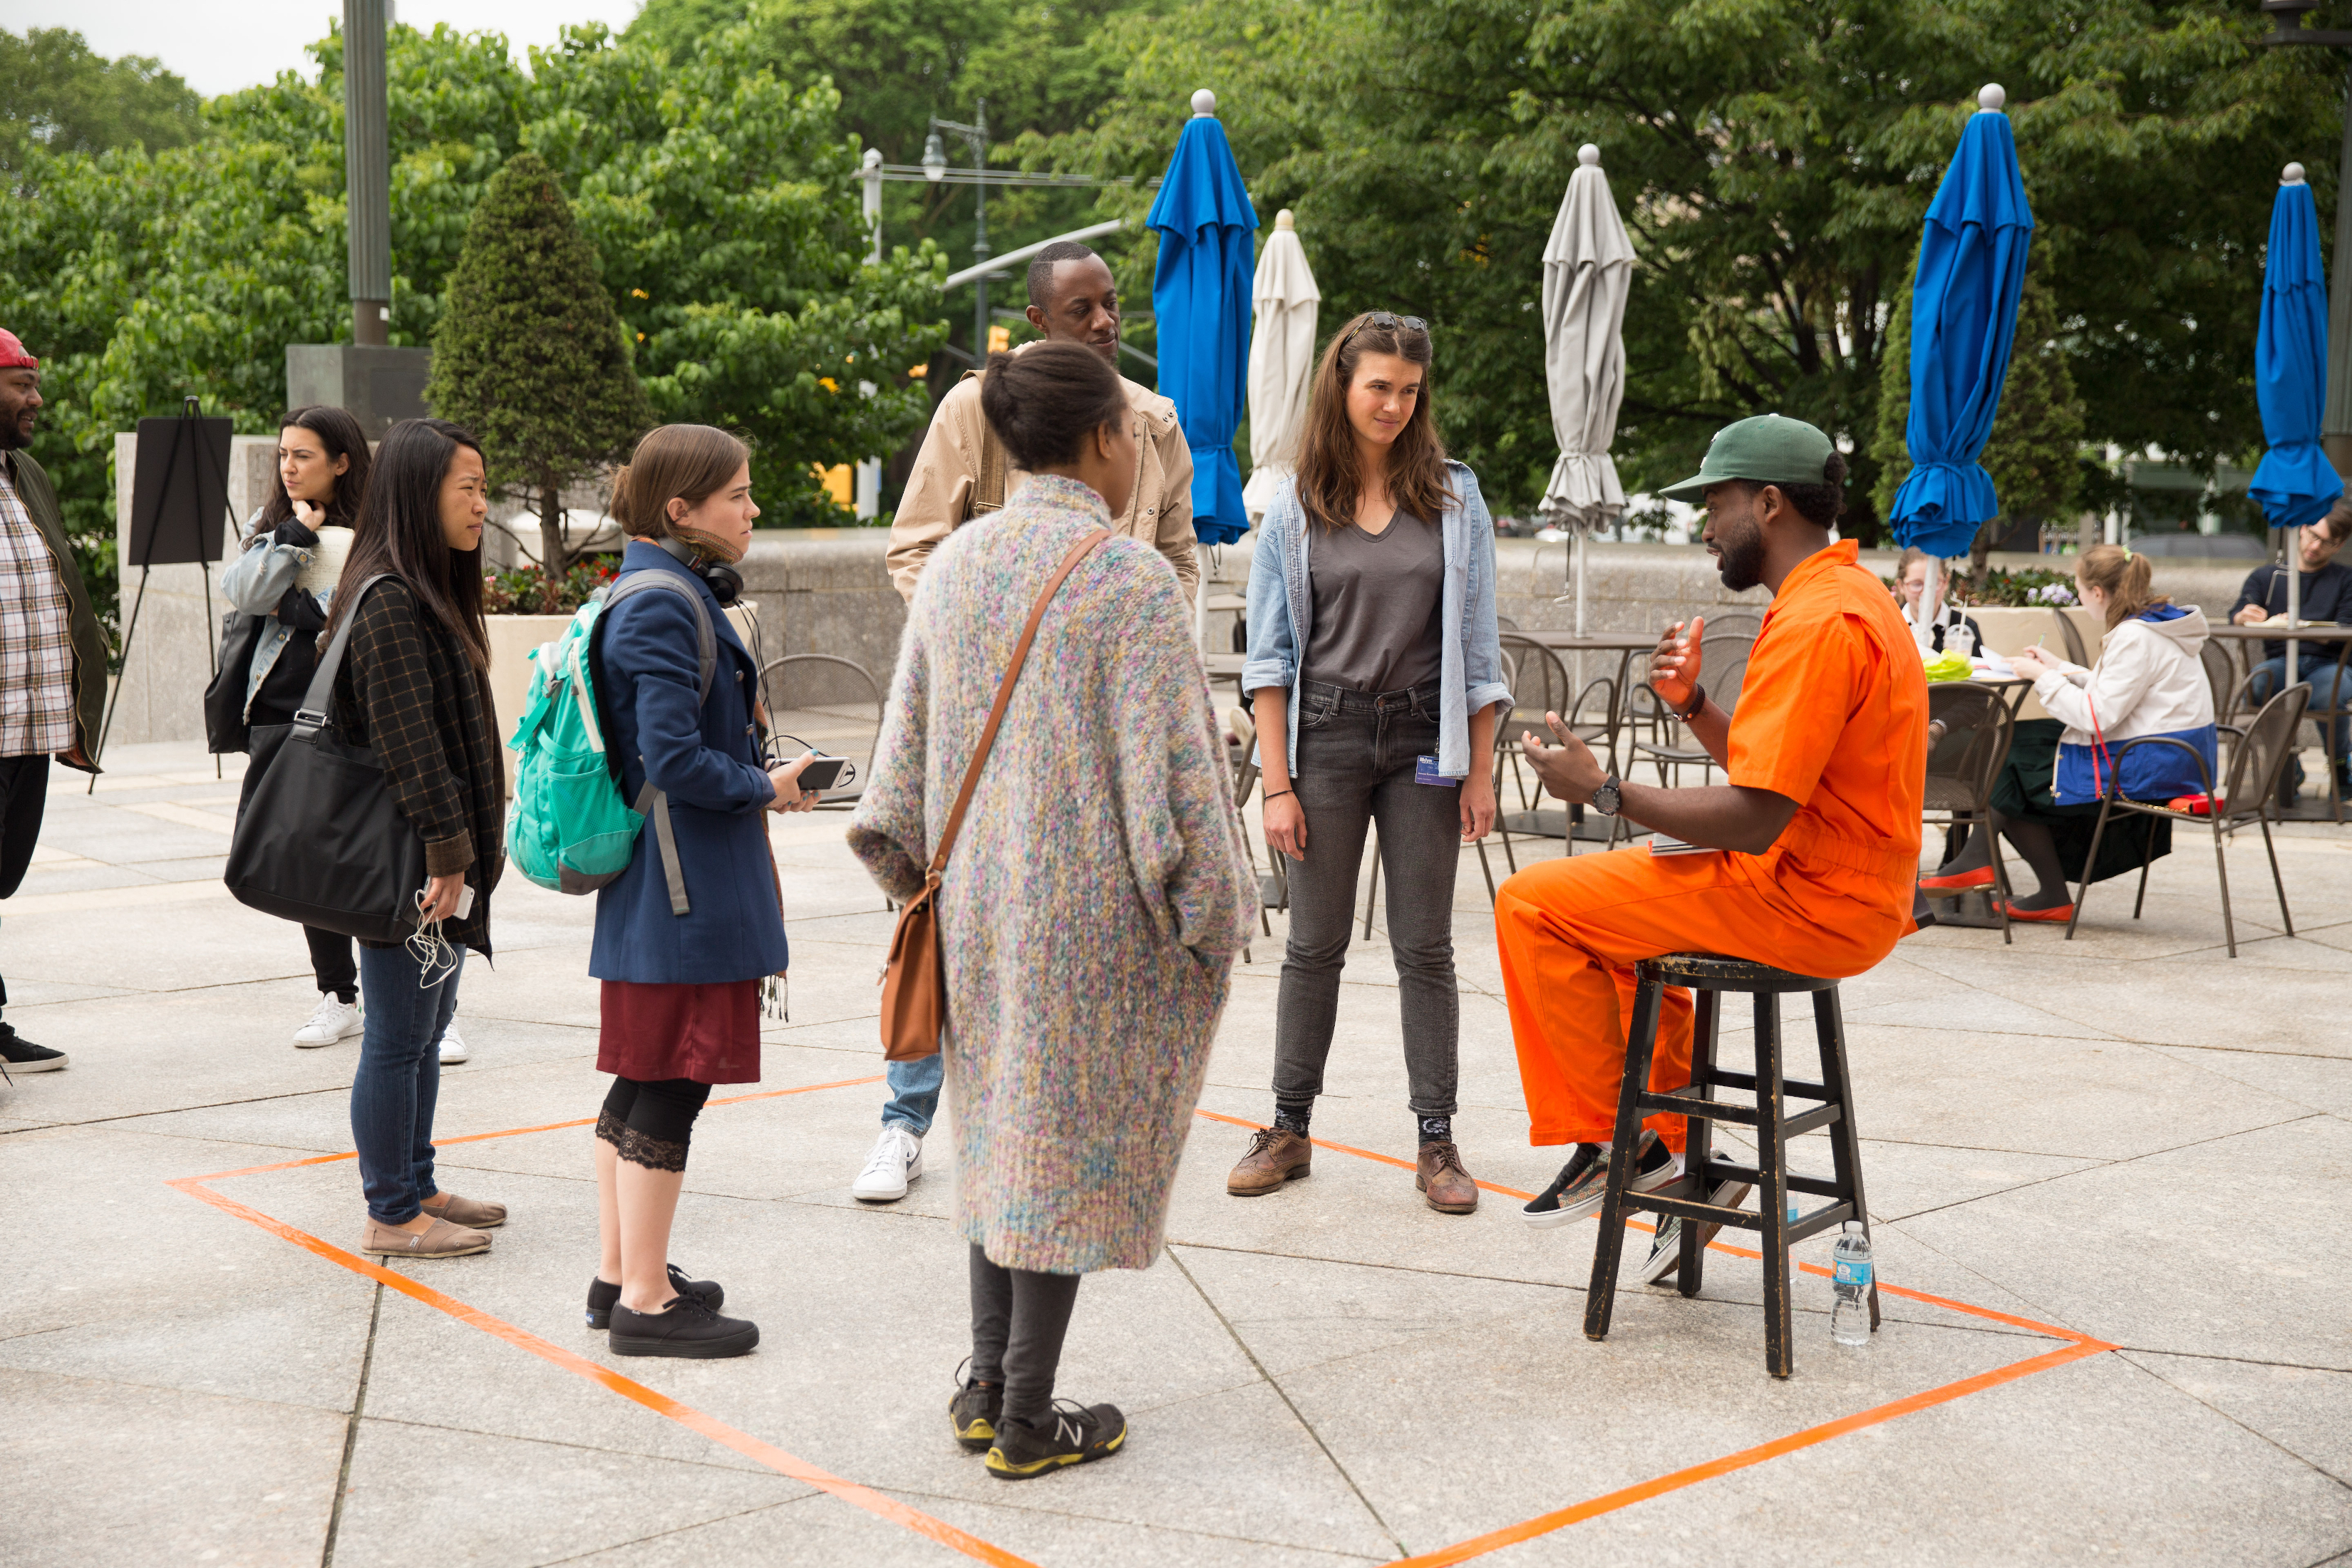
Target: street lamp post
[
  {"x": 2335, "y": 427},
  {"x": 935, "y": 169}
]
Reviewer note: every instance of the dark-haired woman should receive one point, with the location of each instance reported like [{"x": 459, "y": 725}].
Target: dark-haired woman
[
  {"x": 1103, "y": 808},
  {"x": 411, "y": 687},
  {"x": 681, "y": 988},
  {"x": 284, "y": 582},
  {"x": 1374, "y": 652}
]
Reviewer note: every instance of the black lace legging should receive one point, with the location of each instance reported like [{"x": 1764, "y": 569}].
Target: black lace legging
[{"x": 650, "y": 1124}]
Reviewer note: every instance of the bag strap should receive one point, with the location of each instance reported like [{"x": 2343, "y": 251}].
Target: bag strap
[
  {"x": 1078, "y": 552},
  {"x": 987, "y": 487},
  {"x": 313, "y": 711},
  {"x": 706, "y": 635}
]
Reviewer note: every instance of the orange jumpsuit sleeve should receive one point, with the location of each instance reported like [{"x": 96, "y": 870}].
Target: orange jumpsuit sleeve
[{"x": 1794, "y": 703}]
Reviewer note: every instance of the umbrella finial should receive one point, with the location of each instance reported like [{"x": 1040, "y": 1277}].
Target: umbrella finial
[
  {"x": 1589, "y": 155},
  {"x": 1284, "y": 220},
  {"x": 2291, "y": 175},
  {"x": 1992, "y": 96},
  {"x": 1205, "y": 104}
]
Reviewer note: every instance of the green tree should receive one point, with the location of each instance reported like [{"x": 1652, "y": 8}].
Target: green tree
[
  {"x": 529, "y": 351},
  {"x": 57, "y": 95},
  {"x": 2035, "y": 452},
  {"x": 1774, "y": 160}
]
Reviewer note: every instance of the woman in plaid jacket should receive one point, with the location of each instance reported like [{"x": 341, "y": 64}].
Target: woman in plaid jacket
[{"x": 413, "y": 687}]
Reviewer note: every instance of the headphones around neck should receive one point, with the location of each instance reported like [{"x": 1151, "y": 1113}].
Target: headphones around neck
[{"x": 726, "y": 584}]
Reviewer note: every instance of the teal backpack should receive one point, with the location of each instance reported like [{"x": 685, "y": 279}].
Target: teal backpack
[{"x": 567, "y": 827}]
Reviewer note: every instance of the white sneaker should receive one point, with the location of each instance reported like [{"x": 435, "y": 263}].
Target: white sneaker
[
  {"x": 896, "y": 1160},
  {"x": 453, "y": 1048},
  {"x": 334, "y": 1020}
]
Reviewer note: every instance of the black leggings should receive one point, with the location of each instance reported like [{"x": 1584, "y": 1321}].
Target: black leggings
[
  {"x": 332, "y": 961},
  {"x": 651, "y": 1123},
  {"x": 1018, "y": 1318}
]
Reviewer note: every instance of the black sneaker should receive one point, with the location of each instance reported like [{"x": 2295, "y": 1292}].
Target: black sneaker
[
  {"x": 19, "y": 1054},
  {"x": 976, "y": 1413},
  {"x": 1583, "y": 1181},
  {"x": 683, "y": 1327},
  {"x": 1666, "y": 1246},
  {"x": 1072, "y": 1434},
  {"x": 601, "y": 1298}
]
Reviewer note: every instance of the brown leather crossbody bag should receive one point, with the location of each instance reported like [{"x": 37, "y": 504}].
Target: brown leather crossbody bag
[{"x": 915, "y": 984}]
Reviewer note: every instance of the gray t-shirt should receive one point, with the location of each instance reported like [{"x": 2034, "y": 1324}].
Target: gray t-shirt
[{"x": 1378, "y": 626}]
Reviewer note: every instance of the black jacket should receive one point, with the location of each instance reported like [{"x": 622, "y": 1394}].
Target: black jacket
[
  {"x": 2326, "y": 597},
  {"x": 90, "y": 649}
]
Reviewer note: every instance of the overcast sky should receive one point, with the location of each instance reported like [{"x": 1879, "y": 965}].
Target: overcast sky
[{"x": 221, "y": 48}]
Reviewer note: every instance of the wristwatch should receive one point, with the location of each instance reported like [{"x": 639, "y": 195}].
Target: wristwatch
[{"x": 1605, "y": 799}]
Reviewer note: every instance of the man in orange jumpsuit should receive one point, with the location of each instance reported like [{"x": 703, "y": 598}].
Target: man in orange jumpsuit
[{"x": 1816, "y": 836}]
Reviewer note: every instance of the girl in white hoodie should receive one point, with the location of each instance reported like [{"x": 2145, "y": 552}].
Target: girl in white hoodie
[{"x": 2149, "y": 681}]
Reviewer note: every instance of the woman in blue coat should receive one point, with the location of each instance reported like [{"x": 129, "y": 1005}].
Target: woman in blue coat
[{"x": 682, "y": 968}]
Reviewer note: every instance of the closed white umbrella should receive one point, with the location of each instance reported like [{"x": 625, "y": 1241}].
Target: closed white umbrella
[
  {"x": 1281, "y": 361},
  {"x": 1588, "y": 272}
]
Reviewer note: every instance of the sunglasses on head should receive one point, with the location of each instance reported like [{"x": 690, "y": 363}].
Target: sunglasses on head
[{"x": 1387, "y": 323}]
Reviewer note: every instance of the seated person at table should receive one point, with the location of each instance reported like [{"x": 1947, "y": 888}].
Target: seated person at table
[
  {"x": 2326, "y": 595},
  {"x": 1910, "y": 583},
  {"x": 2045, "y": 802},
  {"x": 1818, "y": 829}
]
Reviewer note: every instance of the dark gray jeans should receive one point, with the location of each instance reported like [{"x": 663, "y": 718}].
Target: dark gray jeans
[{"x": 1355, "y": 756}]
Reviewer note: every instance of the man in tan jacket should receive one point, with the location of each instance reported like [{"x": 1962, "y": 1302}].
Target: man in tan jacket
[{"x": 961, "y": 472}]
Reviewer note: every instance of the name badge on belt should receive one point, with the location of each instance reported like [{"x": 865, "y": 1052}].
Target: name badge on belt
[{"x": 1424, "y": 771}]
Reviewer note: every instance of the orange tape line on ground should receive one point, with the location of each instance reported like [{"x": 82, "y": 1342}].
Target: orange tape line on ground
[
  {"x": 1544, "y": 1524},
  {"x": 685, "y": 1416},
  {"x": 2053, "y": 1329},
  {"x": 518, "y": 1131}
]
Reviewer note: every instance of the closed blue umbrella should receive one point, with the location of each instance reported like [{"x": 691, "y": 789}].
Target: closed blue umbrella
[
  {"x": 2296, "y": 483},
  {"x": 1201, "y": 296},
  {"x": 1963, "y": 323}
]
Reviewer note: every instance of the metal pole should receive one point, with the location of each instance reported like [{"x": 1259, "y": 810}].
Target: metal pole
[
  {"x": 980, "y": 235},
  {"x": 2336, "y": 427},
  {"x": 367, "y": 172},
  {"x": 869, "y": 469}
]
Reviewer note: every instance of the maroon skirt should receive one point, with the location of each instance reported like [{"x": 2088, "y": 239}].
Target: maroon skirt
[{"x": 706, "y": 1033}]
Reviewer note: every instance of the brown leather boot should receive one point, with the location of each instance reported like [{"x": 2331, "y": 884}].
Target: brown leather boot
[
  {"x": 1276, "y": 1155},
  {"x": 1444, "y": 1182},
  {"x": 474, "y": 1213}
]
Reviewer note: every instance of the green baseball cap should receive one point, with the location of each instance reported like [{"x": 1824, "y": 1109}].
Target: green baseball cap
[{"x": 1767, "y": 450}]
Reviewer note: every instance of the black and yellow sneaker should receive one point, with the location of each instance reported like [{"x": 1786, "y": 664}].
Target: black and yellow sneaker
[
  {"x": 975, "y": 1412},
  {"x": 1071, "y": 1433}
]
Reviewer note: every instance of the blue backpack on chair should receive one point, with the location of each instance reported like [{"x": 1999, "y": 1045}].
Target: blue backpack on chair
[{"x": 567, "y": 827}]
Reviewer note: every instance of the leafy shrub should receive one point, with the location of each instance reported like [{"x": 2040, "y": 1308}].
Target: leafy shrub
[{"x": 526, "y": 591}]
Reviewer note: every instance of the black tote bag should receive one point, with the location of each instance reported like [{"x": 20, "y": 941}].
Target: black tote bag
[{"x": 320, "y": 839}]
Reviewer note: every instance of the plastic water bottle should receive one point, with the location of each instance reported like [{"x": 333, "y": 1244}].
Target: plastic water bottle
[{"x": 1850, "y": 1275}]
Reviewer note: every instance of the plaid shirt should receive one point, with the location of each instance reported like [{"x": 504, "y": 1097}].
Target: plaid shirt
[
  {"x": 36, "y": 656},
  {"x": 408, "y": 690}
]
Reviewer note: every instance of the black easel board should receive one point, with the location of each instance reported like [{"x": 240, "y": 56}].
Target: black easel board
[{"x": 179, "y": 494}]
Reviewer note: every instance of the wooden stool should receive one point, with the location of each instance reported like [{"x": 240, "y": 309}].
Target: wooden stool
[{"x": 1709, "y": 975}]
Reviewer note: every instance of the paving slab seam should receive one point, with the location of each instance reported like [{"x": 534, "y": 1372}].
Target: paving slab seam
[
  {"x": 2231, "y": 1359},
  {"x": 952, "y": 1498},
  {"x": 595, "y": 1551},
  {"x": 2080, "y": 1346},
  {"x": 1283, "y": 1393},
  {"x": 2123, "y": 1355},
  {"x": 351, "y": 1432},
  {"x": 644, "y": 1455}
]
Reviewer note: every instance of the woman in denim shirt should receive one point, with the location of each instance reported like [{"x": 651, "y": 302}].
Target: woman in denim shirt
[{"x": 1373, "y": 652}]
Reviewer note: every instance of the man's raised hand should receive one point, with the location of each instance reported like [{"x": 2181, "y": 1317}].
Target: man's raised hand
[
  {"x": 1567, "y": 769},
  {"x": 1674, "y": 664}
]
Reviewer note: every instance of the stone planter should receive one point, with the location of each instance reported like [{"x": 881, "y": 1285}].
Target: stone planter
[{"x": 512, "y": 639}]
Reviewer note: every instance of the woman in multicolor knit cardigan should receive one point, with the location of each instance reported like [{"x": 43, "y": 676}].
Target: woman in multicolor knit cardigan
[{"x": 1092, "y": 906}]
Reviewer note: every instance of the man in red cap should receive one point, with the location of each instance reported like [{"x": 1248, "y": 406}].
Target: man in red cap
[{"x": 52, "y": 652}]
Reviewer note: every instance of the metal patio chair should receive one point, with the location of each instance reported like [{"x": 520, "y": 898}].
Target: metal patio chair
[
  {"x": 845, "y": 674},
  {"x": 1968, "y": 731}
]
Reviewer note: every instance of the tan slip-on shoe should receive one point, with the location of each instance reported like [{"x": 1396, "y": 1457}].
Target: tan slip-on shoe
[
  {"x": 440, "y": 1239},
  {"x": 474, "y": 1213},
  {"x": 1444, "y": 1182},
  {"x": 1276, "y": 1155}
]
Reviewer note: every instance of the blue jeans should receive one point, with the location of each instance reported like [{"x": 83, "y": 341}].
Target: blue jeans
[
  {"x": 399, "y": 1079},
  {"x": 2330, "y": 687},
  {"x": 914, "y": 1092}
]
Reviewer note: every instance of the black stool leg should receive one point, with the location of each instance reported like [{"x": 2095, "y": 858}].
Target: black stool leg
[
  {"x": 1773, "y": 1164},
  {"x": 1845, "y": 1140},
  {"x": 1641, "y": 1045},
  {"x": 1699, "y": 1140}
]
